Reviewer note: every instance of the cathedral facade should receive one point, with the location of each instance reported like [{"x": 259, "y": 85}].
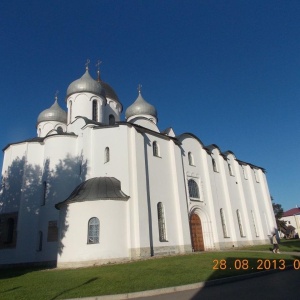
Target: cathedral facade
[{"x": 91, "y": 188}]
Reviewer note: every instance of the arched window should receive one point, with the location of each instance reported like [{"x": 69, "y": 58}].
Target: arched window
[
  {"x": 39, "y": 245},
  {"x": 191, "y": 159},
  {"x": 214, "y": 165},
  {"x": 240, "y": 223},
  {"x": 106, "y": 155},
  {"x": 95, "y": 110},
  {"x": 161, "y": 222},
  {"x": 93, "y": 231},
  {"x": 223, "y": 221},
  {"x": 245, "y": 172},
  {"x": 155, "y": 149},
  {"x": 230, "y": 170},
  {"x": 59, "y": 130},
  {"x": 10, "y": 230},
  {"x": 111, "y": 120},
  {"x": 193, "y": 189}
]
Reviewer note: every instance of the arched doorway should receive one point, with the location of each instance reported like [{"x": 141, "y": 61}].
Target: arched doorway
[{"x": 196, "y": 233}]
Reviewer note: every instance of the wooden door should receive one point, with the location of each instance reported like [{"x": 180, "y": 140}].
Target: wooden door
[{"x": 196, "y": 233}]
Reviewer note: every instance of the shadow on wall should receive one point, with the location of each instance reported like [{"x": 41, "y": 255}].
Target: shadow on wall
[{"x": 30, "y": 192}]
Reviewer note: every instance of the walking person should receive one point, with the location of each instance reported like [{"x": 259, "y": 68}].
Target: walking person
[{"x": 275, "y": 244}]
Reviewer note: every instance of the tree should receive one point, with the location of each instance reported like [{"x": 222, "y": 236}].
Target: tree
[{"x": 278, "y": 212}]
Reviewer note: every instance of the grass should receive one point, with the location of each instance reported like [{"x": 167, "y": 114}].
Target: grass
[{"x": 135, "y": 276}]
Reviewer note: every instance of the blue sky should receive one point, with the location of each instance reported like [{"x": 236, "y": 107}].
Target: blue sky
[{"x": 227, "y": 71}]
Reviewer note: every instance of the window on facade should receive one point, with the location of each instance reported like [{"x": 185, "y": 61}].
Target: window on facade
[
  {"x": 223, "y": 221},
  {"x": 254, "y": 223},
  {"x": 238, "y": 214},
  {"x": 111, "y": 120},
  {"x": 161, "y": 222},
  {"x": 106, "y": 155},
  {"x": 214, "y": 164},
  {"x": 230, "y": 170},
  {"x": 59, "y": 130},
  {"x": 191, "y": 159},
  {"x": 93, "y": 231},
  {"x": 52, "y": 231},
  {"x": 245, "y": 172},
  {"x": 155, "y": 149},
  {"x": 39, "y": 246},
  {"x": 8, "y": 226},
  {"x": 95, "y": 110},
  {"x": 193, "y": 189}
]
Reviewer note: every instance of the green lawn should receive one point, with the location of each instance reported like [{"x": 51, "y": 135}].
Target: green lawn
[{"x": 135, "y": 276}]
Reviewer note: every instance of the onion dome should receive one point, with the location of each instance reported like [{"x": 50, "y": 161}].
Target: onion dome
[
  {"x": 54, "y": 113},
  {"x": 86, "y": 84},
  {"x": 140, "y": 107},
  {"x": 109, "y": 91}
]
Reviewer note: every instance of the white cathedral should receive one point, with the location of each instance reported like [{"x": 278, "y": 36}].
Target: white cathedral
[{"x": 92, "y": 189}]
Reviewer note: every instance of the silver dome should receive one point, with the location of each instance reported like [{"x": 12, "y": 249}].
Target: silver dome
[
  {"x": 86, "y": 84},
  {"x": 110, "y": 93},
  {"x": 140, "y": 107},
  {"x": 54, "y": 113}
]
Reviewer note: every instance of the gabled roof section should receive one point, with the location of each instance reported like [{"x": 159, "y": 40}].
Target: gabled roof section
[
  {"x": 39, "y": 139},
  {"x": 291, "y": 212},
  {"x": 188, "y": 134}
]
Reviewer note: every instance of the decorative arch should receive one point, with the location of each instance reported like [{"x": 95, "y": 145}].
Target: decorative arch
[{"x": 206, "y": 228}]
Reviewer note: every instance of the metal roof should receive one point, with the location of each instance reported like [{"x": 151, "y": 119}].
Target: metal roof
[{"x": 97, "y": 188}]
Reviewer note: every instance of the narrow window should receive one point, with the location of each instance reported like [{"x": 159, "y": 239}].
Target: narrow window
[
  {"x": 39, "y": 245},
  {"x": 93, "y": 231},
  {"x": 224, "y": 227},
  {"x": 230, "y": 170},
  {"x": 191, "y": 159},
  {"x": 193, "y": 189},
  {"x": 155, "y": 149},
  {"x": 106, "y": 155},
  {"x": 254, "y": 223},
  {"x": 111, "y": 120},
  {"x": 52, "y": 231},
  {"x": 161, "y": 222},
  {"x": 214, "y": 165},
  {"x": 95, "y": 110},
  {"x": 240, "y": 223}
]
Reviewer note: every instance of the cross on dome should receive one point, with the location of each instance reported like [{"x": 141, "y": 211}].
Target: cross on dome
[
  {"x": 87, "y": 64},
  {"x": 139, "y": 88}
]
